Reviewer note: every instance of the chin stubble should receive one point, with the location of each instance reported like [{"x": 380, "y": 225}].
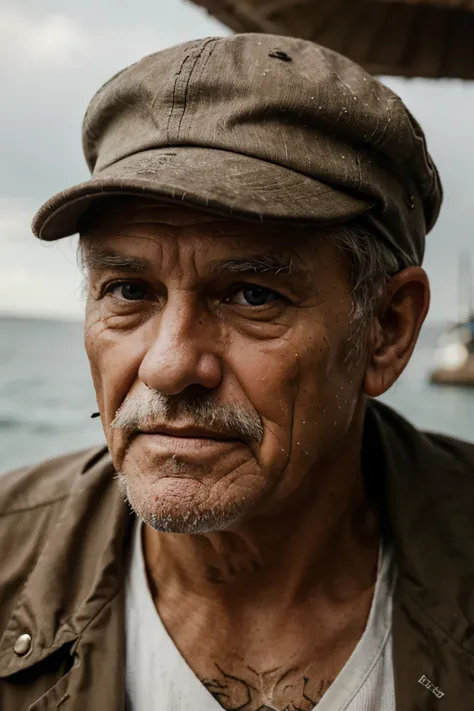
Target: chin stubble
[
  {"x": 194, "y": 520},
  {"x": 150, "y": 408}
]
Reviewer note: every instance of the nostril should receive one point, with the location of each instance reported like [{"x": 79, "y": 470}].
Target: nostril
[{"x": 277, "y": 54}]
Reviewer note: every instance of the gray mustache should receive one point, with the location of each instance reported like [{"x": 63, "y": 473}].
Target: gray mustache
[{"x": 150, "y": 408}]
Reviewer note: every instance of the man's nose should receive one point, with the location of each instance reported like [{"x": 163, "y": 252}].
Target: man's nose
[{"x": 182, "y": 351}]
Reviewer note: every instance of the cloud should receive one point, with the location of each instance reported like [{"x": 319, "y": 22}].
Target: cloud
[
  {"x": 14, "y": 220},
  {"x": 41, "y": 281},
  {"x": 28, "y": 40},
  {"x": 36, "y": 277},
  {"x": 28, "y": 292}
]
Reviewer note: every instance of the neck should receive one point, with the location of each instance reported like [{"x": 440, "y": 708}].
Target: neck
[{"x": 325, "y": 543}]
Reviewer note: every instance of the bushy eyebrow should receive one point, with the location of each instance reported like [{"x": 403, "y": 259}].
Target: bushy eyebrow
[
  {"x": 277, "y": 264},
  {"x": 100, "y": 258}
]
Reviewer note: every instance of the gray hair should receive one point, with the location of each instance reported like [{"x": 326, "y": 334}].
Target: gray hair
[{"x": 372, "y": 264}]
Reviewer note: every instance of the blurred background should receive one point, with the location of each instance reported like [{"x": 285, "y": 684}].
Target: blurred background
[{"x": 54, "y": 54}]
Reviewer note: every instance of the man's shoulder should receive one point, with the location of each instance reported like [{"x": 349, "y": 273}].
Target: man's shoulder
[
  {"x": 447, "y": 447},
  {"x": 45, "y": 483},
  {"x": 460, "y": 449}
]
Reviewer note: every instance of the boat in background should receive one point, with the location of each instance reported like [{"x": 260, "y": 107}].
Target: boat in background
[{"x": 455, "y": 354}]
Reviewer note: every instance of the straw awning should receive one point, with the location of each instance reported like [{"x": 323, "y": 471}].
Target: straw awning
[{"x": 427, "y": 38}]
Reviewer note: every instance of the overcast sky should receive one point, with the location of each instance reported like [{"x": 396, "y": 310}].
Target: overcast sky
[{"x": 54, "y": 54}]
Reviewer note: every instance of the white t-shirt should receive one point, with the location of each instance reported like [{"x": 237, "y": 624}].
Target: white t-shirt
[{"x": 159, "y": 679}]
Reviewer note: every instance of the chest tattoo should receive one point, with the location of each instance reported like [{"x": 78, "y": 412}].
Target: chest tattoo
[{"x": 273, "y": 690}]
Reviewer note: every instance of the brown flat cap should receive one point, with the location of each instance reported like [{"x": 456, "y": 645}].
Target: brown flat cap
[{"x": 260, "y": 127}]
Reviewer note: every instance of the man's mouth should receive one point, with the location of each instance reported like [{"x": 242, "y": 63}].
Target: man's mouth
[
  {"x": 189, "y": 432},
  {"x": 190, "y": 444}
]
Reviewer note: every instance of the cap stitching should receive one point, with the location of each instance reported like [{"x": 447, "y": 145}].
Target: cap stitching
[
  {"x": 170, "y": 115},
  {"x": 203, "y": 66},
  {"x": 176, "y": 89},
  {"x": 185, "y": 98}
]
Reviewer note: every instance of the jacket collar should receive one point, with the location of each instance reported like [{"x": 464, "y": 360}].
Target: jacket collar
[{"x": 427, "y": 500}]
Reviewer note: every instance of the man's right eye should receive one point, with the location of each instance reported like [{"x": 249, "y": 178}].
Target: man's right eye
[{"x": 128, "y": 291}]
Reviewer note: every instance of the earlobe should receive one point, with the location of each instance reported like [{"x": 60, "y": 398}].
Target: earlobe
[{"x": 403, "y": 308}]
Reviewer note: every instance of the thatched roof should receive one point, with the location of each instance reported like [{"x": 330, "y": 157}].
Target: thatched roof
[{"x": 430, "y": 38}]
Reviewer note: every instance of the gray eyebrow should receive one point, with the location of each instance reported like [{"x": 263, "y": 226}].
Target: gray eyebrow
[
  {"x": 259, "y": 264},
  {"x": 99, "y": 258},
  {"x": 94, "y": 257}
]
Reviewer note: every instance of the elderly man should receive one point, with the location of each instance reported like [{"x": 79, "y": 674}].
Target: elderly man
[{"x": 252, "y": 237}]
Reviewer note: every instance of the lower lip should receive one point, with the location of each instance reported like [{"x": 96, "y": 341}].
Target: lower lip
[{"x": 198, "y": 447}]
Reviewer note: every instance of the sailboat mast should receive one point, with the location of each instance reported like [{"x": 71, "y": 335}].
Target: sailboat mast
[
  {"x": 466, "y": 292},
  {"x": 470, "y": 304}
]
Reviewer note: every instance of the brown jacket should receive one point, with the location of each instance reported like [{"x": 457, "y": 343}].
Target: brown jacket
[{"x": 64, "y": 531}]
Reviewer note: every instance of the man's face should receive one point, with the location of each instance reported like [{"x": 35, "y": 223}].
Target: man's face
[{"x": 218, "y": 351}]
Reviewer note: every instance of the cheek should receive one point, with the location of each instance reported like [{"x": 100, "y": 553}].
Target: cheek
[
  {"x": 270, "y": 376},
  {"x": 306, "y": 396},
  {"x": 279, "y": 378},
  {"x": 326, "y": 402},
  {"x": 114, "y": 359}
]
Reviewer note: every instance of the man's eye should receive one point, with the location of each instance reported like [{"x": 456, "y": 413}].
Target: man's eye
[
  {"x": 254, "y": 296},
  {"x": 128, "y": 291}
]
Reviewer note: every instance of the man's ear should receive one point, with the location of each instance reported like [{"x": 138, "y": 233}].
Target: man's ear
[{"x": 402, "y": 310}]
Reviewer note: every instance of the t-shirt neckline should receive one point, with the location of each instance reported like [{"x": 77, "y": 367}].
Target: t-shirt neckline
[{"x": 344, "y": 688}]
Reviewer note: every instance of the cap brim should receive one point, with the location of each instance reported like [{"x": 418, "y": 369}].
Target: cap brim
[{"x": 219, "y": 181}]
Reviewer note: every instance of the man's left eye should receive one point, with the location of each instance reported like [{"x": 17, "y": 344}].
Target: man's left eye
[
  {"x": 129, "y": 291},
  {"x": 254, "y": 296}
]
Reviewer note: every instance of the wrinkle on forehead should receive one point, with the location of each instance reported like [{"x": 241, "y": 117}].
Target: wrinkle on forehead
[{"x": 152, "y": 220}]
